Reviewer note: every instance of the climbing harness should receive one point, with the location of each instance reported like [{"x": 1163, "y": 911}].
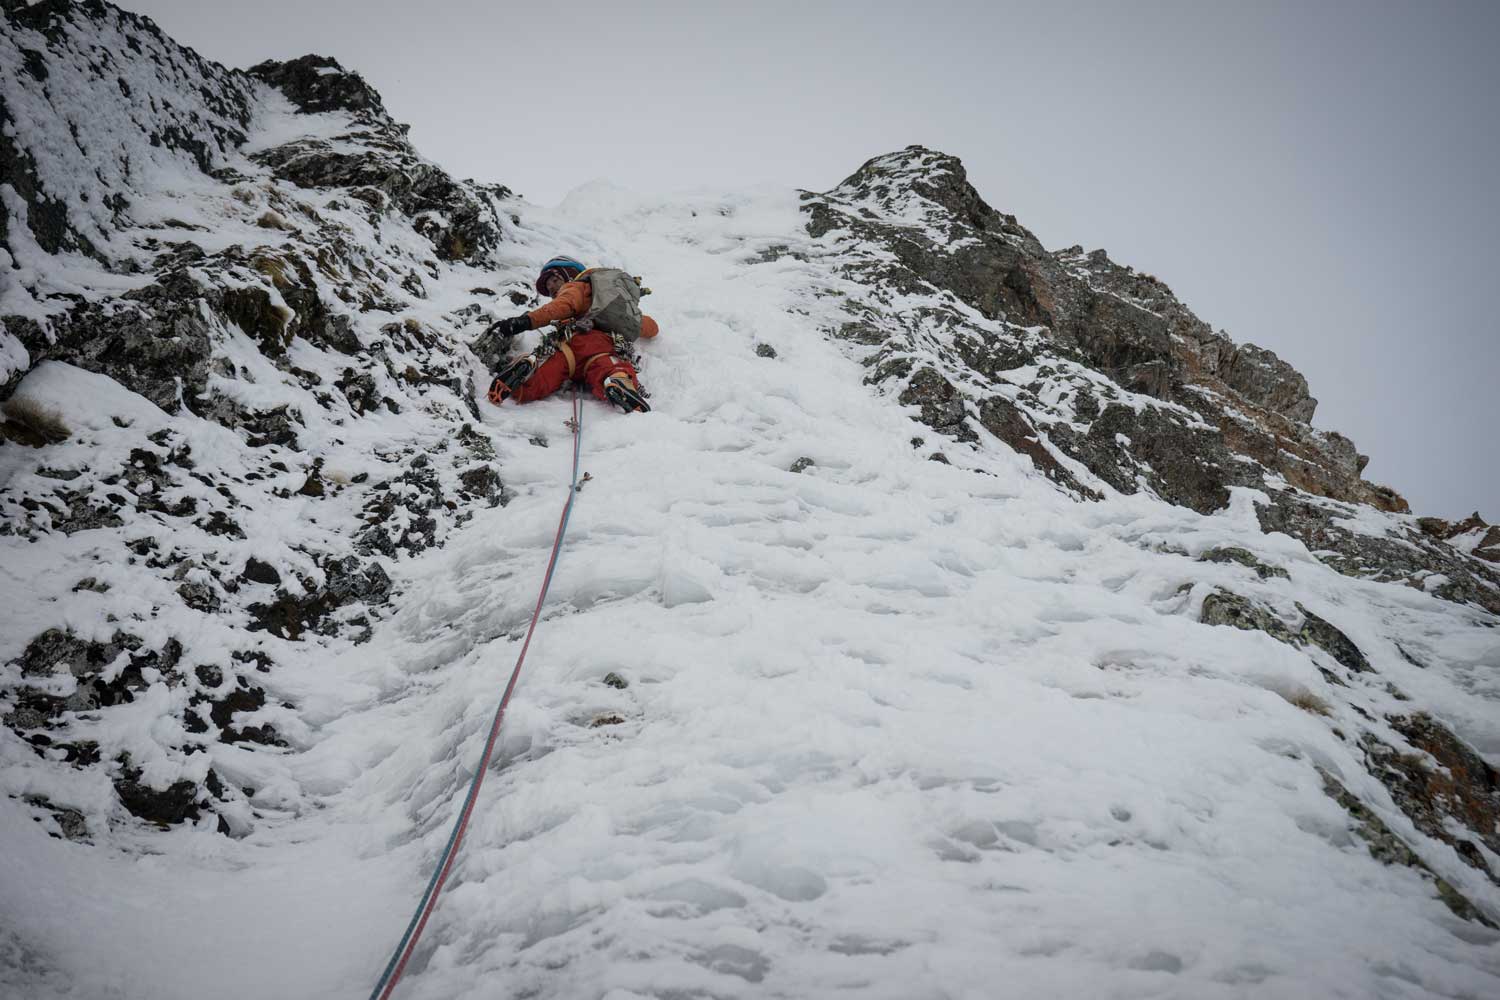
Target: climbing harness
[{"x": 413, "y": 934}]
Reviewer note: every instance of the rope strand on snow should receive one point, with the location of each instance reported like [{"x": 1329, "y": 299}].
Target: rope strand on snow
[{"x": 408, "y": 945}]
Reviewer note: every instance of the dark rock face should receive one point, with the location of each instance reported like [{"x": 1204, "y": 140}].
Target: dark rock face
[
  {"x": 400, "y": 515},
  {"x": 942, "y": 405},
  {"x": 1333, "y": 642},
  {"x": 155, "y": 341},
  {"x": 198, "y": 116},
  {"x": 1410, "y": 557},
  {"x": 1478, "y": 537},
  {"x": 1005, "y": 420},
  {"x": 1444, "y": 788},
  {"x": 1390, "y": 849},
  {"x": 346, "y": 581},
  {"x": 937, "y": 237},
  {"x": 491, "y": 349},
  {"x": 87, "y": 662},
  {"x": 384, "y": 171},
  {"x": 1244, "y": 557},
  {"x": 483, "y": 481},
  {"x": 1260, "y": 376},
  {"x": 317, "y": 83},
  {"x": 163, "y": 806},
  {"x": 260, "y": 572},
  {"x": 245, "y": 698},
  {"x": 1184, "y": 464}
]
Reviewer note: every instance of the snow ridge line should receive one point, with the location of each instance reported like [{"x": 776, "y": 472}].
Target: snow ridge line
[{"x": 408, "y": 944}]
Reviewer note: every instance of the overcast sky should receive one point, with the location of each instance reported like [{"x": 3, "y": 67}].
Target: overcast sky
[{"x": 1316, "y": 178}]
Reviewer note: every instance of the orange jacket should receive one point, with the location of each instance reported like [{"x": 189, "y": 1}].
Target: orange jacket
[{"x": 573, "y": 300}]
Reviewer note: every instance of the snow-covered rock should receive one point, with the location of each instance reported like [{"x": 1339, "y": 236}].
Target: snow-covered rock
[{"x": 965, "y": 617}]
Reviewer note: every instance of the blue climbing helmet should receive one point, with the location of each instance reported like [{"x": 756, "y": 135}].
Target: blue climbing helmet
[{"x": 566, "y": 266}]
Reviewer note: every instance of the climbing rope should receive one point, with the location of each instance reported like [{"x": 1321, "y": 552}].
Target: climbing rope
[{"x": 413, "y": 934}]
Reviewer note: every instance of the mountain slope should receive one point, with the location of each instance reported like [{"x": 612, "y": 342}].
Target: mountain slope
[{"x": 1103, "y": 701}]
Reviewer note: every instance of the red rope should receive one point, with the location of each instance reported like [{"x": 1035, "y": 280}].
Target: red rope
[{"x": 408, "y": 945}]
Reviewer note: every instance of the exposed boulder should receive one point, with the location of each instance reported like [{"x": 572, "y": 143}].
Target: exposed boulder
[
  {"x": 163, "y": 806},
  {"x": 1330, "y": 640},
  {"x": 1244, "y": 557},
  {"x": 1223, "y": 607},
  {"x": 317, "y": 83},
  {"x": 942, "y": 405}
]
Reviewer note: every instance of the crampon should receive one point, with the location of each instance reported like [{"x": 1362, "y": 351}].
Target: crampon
[
  {"x": 619, "y": 390},
  {"x": 509, "y": 379}
]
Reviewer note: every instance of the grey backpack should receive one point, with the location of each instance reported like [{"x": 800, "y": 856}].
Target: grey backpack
[{"x": 616, "y": 305}]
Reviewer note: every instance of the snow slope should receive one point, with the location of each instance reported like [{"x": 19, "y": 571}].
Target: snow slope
[{"x": 893, "y": 727}]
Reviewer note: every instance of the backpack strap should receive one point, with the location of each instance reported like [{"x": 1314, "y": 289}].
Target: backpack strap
[{"x": 567, "y": 353}]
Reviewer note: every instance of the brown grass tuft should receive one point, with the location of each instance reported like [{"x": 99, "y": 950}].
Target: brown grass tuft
[{"x": 37, "y": 424}]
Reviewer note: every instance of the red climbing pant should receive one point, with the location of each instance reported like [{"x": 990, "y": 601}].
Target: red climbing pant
[{"x": 587, "y": 357}]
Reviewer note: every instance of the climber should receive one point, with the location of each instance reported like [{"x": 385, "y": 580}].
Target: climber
[{"x": 588, "y": 324}]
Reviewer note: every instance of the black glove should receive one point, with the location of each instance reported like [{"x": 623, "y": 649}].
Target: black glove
[{"x": 511, "y": 327}]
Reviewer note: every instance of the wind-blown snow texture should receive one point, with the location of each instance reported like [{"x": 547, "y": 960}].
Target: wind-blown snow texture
[{"x": 881, "y": 726}]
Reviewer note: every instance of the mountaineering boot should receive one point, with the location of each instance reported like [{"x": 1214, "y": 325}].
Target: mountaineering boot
[
  {"x": 509, "y": 379},
  {"x": 621, "y": 391}
]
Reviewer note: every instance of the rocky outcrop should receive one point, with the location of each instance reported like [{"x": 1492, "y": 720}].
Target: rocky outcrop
[
  {"x": 345, "y": 581},
  {"x": 258, "y": 354},
  {"x": 152, "y": 103},
  {"x": 1390, "y": 849},
  {"x": 316, "y": 84},
  {"x": 156, "y": 340},
  {"x": 1007, "y": 422},
  {"x": 1444, "y": 787},
  {"x": 1400, "y": 553},
  {"x": 1102, "y": 378},
  {"x": 375, "y": 161},
  {"x": 1182, "y": 461},
  {"x": 1472, "y": 535},
  {"x": 1225, "y": 415},
  {"x": 1225, "y": 608},
  {"x": 1440, "y": 783}
]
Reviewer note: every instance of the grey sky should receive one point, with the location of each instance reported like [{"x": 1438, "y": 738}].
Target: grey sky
[{"x": 1316, "y": 178}]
